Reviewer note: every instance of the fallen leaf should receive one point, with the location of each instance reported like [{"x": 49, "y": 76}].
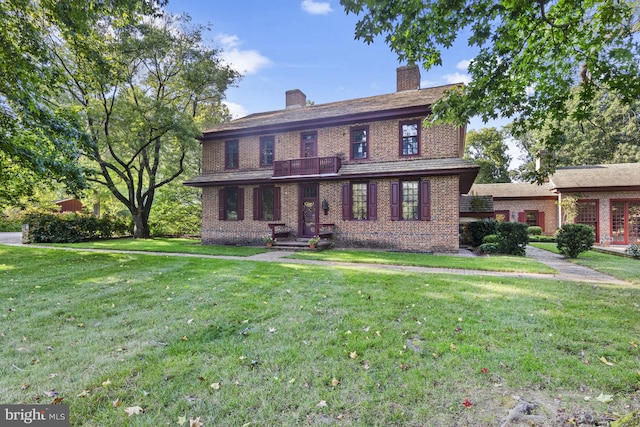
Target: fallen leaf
[
  {"x": 182, "y": 420},
  {"x": 605, "y": 361},
  {"x": 453, "y": 347},
  {"x": 133, "y": 410},
  {"x": 335, "y": 382},
  {"x": 83, "y": 393},
  {"x": 485, "y": 370},
  {"x": 353, "y": 355},
  {"x": 467, "y": 403},
  {"x": 195, "y": 422},
  {"x": 57, "y": 400},
  {"x": 25, "y": 386},
  {"x": 322, "y": 404},
  {"x": 215, "y": 386},
  {"x": 404, "y": 367},
  {"x": 604, "y": 398},
  {"x": 50, "y": 393},
  {"x": 184, "y": 338},
  {"x": 106, "y": 383},
  {"x": 190, "y": 321},
  {"x": 272, "y": 330},
  {"x": 116, "y": 403}
]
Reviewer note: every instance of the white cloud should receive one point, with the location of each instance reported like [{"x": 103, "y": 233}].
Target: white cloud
[
  {"x": 463, "y": 65},
  {"x": 236, "y": 110},
  {"x": 244, "y": 61},
  {"x": 316, "y": 7},
  {"x": 457, "y": 78}
]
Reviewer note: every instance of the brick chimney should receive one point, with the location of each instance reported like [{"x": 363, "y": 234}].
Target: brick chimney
[
  {"x": 295, "y": 98},
  {"x": 408, "y": 78}
]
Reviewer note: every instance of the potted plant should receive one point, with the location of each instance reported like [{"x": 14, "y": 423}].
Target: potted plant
[
  {"x": 313, "y": 242},
  {"x": 268, "y": 240}
]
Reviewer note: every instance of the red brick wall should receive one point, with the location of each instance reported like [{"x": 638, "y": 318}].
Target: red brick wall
[
  {"x": 548, "y": 206},
  {"x": 437, "y": 142}
]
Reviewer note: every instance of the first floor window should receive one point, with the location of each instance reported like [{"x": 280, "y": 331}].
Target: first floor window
[
  {"x": 266, "y": 203},
  {"x": 532, "y": 218},
  {"x": 231, "y": 204},
  {"x": 359, "y": 201},
  {"x": 501, "y": 216},
  {"x": 411, "y": 200}
]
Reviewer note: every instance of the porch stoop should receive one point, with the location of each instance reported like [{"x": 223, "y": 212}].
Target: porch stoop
[{"x": 300, "y": 245}]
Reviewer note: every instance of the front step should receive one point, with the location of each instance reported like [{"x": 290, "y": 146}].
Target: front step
[{"x": 300, "y": 245}]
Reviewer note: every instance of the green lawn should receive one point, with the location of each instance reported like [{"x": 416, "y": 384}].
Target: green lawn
[
  {"x": 241, "y": 343},
  {"x": 623, "y": 268},
  {"x": 492, "y": 263},
  {"x": 177, "y": 245}
]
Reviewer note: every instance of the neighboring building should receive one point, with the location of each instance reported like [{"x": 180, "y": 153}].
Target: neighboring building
[
  {"x": 608, "y": 200},
  {"x": 69, "y": 205},
  {"x": 364, "y": 171}
]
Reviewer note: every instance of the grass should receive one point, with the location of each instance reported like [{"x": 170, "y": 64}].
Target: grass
[
  {"x": 175, "y": 245},
  {"x": 493, "y": 263},
  {"x": 240, "y": 343},
  {"x": 623, "y": 268}
]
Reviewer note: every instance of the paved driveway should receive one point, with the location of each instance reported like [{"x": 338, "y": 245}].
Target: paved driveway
[{"x": 10, "y": 238}]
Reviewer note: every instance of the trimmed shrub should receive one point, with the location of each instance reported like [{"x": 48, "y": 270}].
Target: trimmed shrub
[
  {"x": 74, "y": 227},
  {"x": 633, "y": 250},
  {"x": 573, "y": 239},
  {"x": 477, "y": 231},
  {"x": 512, "y": 238},
  {"x": 534, "y": 230},
  {"x": 490, "y": 238},
  {"x": 489, "y": 248},
  {"x": 547, "y": 239}
]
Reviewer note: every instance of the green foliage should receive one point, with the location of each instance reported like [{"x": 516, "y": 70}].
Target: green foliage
[
  {"x": 487, "y": 149},
  {"x": 534, "y": 230},
  {"x": 490, "y": 238},
  {"x": 477, "y": 230},
  {"x": 74, "y": 227},
  {"x": 512, "y": 238},
  {"x": 177, "y": 211},
  {"x": 633, "y": 250},
  {"x": 573, "y": 239},
  {"x": 530, "y": 55},
  {"x": 489, "y": 248},
  {"x": 542, "y": 239},
  {"x": 10, "y": 220}
]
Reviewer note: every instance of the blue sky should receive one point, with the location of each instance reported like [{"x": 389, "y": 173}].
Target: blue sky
[{"x": 309, "y": 45}]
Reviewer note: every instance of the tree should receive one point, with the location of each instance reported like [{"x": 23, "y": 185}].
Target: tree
[
  {"x": 487, "y": 149},
  {"x": 139, "y": 89},
  {"x": 530, "y": 54},
  {"x": 610, "y": 134},
  {"x": 39, "y": 137}
]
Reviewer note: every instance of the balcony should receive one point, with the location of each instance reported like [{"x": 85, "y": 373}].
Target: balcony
[{"x": 306, "y": 166}]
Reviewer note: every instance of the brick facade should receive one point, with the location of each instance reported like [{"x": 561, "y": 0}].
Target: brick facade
[{"x": 548, "y": 206}]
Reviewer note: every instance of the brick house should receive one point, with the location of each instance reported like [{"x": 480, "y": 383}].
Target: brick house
[
  {"x": 365, "y": 172},
  {"x": 608, "y": 199}
]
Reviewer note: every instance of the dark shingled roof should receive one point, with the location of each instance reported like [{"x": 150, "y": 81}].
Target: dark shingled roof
[
  {"x": 596, "y": 176},
  {"x": 334, "y": 112}
]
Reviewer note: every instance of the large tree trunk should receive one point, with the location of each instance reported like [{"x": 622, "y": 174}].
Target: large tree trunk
[{"x": 141, "y": 225}]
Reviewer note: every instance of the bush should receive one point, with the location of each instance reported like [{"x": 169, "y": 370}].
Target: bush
[
  {"x": 573, "y": 239},
  {"x": 477, "y": 231},
  {"x": 489, "y": 248},
  {"x": 534, "y": 230},
  {"x": 547, "y": 239},
  {"x": 490, "y": 238},
  {"x": 633, "y": 250},
  {"x": 74, "y": 227},
  {"x": 512, "y": 238}
]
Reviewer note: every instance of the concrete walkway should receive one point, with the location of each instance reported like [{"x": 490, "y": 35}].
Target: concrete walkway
[{"x": 566, "y": 270}]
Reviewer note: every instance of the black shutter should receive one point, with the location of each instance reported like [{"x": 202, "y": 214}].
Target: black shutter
[
  {"x": 221, "y": 204},
  {"x": 277, "y": 206},
  {"x": 256, "y": 203},
  {"x": 240, "y": 204}
]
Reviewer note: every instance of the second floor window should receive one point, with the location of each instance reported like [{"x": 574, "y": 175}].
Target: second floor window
[
  {"x": 266, "y": 150},
  {"x": 231, "y": 154},
  {"x": 359, "y": 143},
  {"x": 409, "y": 137}
]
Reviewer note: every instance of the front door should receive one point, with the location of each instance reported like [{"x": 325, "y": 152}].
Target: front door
[
  {"x": 308, "y": 210},
  {"x": 309, "y": 145}
]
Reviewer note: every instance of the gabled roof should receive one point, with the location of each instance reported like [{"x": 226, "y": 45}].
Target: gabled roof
[
  {"x": 597, "y": 177},
  {"x": 513, "y": 190},
  {"x": 405, "y": 103}
]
